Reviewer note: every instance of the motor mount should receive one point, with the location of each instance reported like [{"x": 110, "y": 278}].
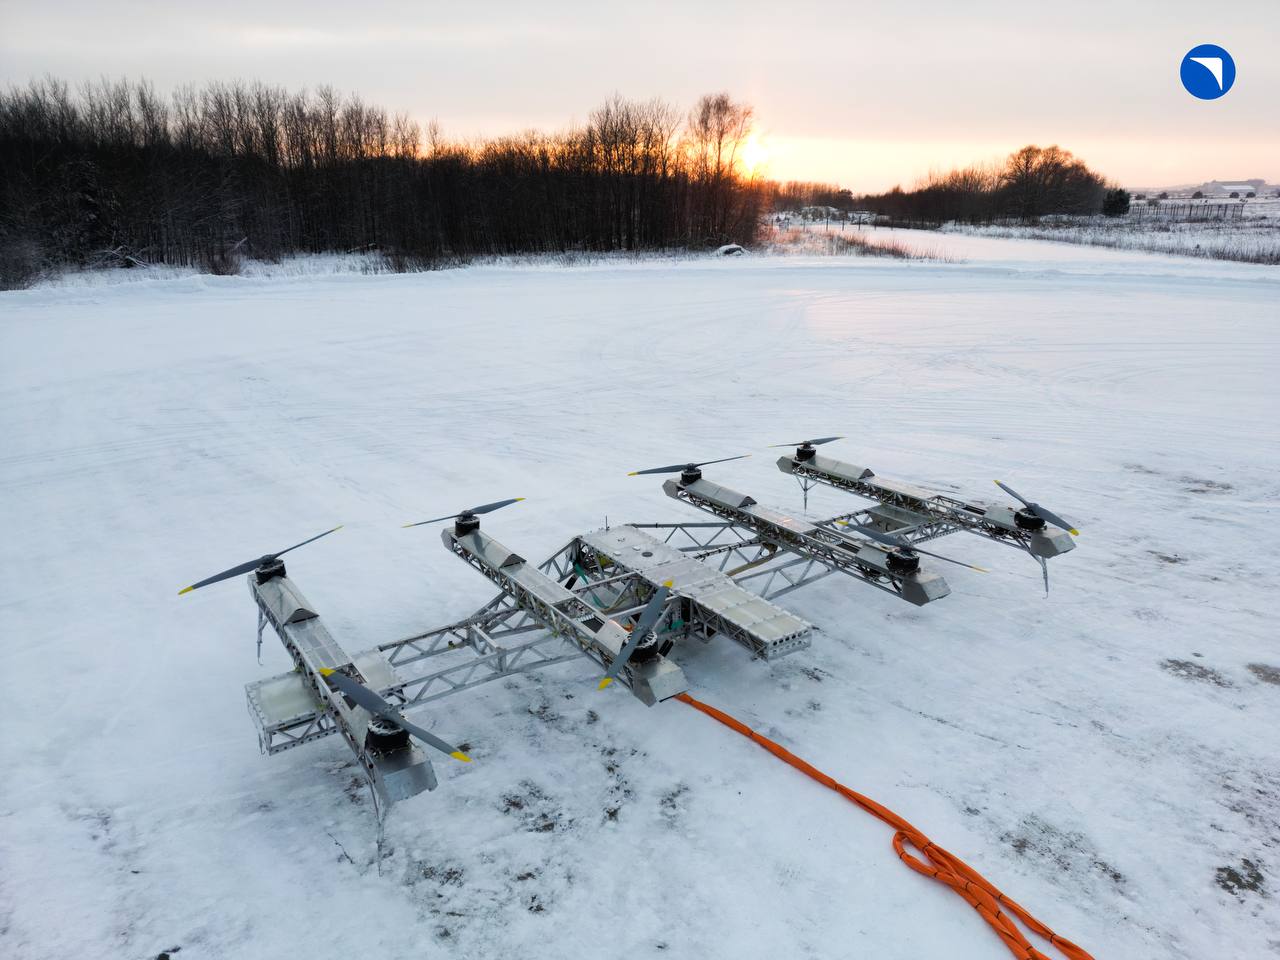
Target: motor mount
[
  {"x": 466, "y": 523},
  {"x": 690, "y": 474},
  {"x": 1026, "y": 520},
  {"x": 652, "y": 647},
  {"x": 269, "y": 569},
  {"x": 383, "y": 736},
  {"x": 903, "y": 563},
  {"x": 805, "y": 452}
]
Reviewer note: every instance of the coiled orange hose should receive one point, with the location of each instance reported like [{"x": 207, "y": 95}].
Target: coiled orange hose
[{"x": 942, "y": 866}]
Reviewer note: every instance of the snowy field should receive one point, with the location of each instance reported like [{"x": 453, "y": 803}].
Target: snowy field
[
  {"x": 1107, "y": 755},
  {"x": 1253, "y": 238}
]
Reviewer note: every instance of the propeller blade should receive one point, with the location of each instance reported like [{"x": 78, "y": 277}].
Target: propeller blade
[
  {"x": 958, "y": 563},
  {"x": 497, "y": 504},
  {"x": 251, "y": 565},
  {"x": 649, "y": 617},
  {"x": 873, "y": 533},
  {"x": 1048, "y": 515},
  {"x": 1042, "y": 512},
  {"x": 431, "y": 740},
  {"x": 305, "y": 542},
  {"x": 360, "y": 694},
  {"x": 674, "y": 468},
  {"x": 893, "y": 540},
  {"x": 652, "y": 611},
  {"x": 421, "y": 523},
  {"x": 812, "y": 443},
  {"x": 225, "y": 575},
  {"x": 364, "y": 697},
  {"x": 677, "y": 467},
  {"x": 1014, "y": 493},
  {"x": 483, "y": 508}
]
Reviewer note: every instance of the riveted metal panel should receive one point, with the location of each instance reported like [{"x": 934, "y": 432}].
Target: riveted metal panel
[
  {"x": 837, "y": 468},
  {"x": 765, "y": 629}
]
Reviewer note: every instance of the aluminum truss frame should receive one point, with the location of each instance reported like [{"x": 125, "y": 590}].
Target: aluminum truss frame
[
  {"x": 814, "y": 544},
  {"x": 505, "y": 639},
  {"x": 758, "y": 565},
  {"x": 764, "y": 552},
  {"x": 485, "y": 634},
  {"x": 921, "y": 515}
]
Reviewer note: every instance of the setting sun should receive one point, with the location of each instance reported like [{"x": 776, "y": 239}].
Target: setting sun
[{"x": 754, "y": 156}]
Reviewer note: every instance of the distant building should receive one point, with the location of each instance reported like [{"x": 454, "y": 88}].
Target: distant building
[{"x": 1224, "y": 188}]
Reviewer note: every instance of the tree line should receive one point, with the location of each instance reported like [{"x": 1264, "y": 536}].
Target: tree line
[
  {"x": 798, "y": 194},
  {"x": 1031, "y": 183},
  {"x": 113, "y": 172}
]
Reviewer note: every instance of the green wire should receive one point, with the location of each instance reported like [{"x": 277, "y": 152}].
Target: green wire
[
  {"x": 577, "y": 568},
  {"x": 586, "y": 579}
]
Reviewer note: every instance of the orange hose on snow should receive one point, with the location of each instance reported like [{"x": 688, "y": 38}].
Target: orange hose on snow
[{"x": 942, "y": 866}]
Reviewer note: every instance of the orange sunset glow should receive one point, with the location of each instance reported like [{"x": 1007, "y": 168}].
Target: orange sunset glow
[{"x": 833, "y": 97}]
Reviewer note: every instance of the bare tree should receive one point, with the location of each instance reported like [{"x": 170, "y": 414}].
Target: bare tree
[
  {"x": 715, "y": 133},
  {"x": 236, "y": 168}
]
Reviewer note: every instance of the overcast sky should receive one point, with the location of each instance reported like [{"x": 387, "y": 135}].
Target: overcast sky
[{"x": 865, "y": 94}]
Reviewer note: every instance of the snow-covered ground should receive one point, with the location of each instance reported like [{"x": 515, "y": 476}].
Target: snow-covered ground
[
  {"x": 1106, "y": 755},
  {"x": 1248, "y": 239},
  {"x": 1253, "y": 237}
]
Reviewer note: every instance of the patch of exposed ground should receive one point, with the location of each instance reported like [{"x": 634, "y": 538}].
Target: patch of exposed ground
[
  {"x": 1265, "y": 672},
  {"x": 1243, "y": 878},
  {"x": 1190, "y": 670},
  {"x": 1068, "y": 851}
]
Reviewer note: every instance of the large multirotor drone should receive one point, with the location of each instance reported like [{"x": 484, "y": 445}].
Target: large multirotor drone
[{"x": 625, "y": 597}]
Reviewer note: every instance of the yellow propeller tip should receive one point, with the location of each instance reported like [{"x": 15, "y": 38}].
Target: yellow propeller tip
[
  {"x": 518, "y": 499},
  {"x": 185, "y": 590},
  {"x": 634, "y": 473},
  {"x": 1074, "y": 532},
  {"x": 982, "y": 569},
  {"x": 604, "y": 683},
  {"x": 459, "y": 755},
  {"x": 406, "y": 526}
]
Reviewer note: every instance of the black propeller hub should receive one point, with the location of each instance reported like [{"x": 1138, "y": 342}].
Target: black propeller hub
[
  {"x": 690, "y": 474},
  {"x": 269, "y": 569},
  {"x": 1024, "y": 519},
  {"x": 652, "y": 647},
  {"x": 903, "y": 563},
  {"x": 467, "y": 522},
  {"x": 805, "y": 451},
  {"x": 384, "y": 736}
]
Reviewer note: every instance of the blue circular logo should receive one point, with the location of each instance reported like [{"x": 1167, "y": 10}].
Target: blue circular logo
[{"x": 1207, "y": 71}]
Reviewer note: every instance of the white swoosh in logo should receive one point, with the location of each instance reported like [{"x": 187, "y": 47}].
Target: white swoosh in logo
[{"x": 1213, "y": 65}]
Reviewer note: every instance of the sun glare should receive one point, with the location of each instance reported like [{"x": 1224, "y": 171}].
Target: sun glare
[{"x": 754, "y": 156}]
